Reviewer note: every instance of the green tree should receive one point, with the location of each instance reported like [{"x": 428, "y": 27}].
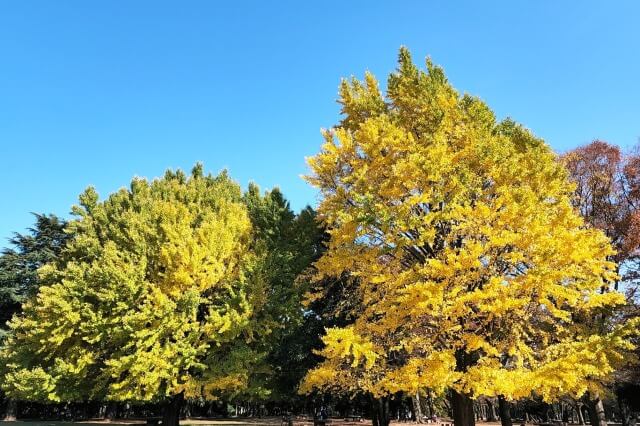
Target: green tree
[
  {"x": 151, "y": 301},
  {"x": 18, "y": 271},
  {"x": 19, "y": 264},
  {"x": 285, "y": 245}
]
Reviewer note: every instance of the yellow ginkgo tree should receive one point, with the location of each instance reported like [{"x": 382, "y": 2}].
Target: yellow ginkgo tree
[
  {"x": 151, "y": 300},
  {"x": 476, "y": 275}
]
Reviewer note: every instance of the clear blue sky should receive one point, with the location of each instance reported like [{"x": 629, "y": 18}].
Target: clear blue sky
[{"x": 95, "y": 92}]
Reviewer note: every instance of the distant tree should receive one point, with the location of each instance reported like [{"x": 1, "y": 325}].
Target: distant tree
[
  {"x": 19, "y": 266},
  {"x": 469, "y": 258},
  {"x": 19, "y": 263},
  {"x": 152, "y": 300},
  {"x": 607, "y": 195}
]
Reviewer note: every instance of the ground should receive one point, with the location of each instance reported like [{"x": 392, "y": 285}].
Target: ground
[{"x": 267, "y": 421}]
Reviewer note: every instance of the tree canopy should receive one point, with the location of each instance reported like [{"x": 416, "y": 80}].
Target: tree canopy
[
  {"x": 149, "y": 300},
  {"x": 284, "y": 245},
  {"x": 454, "y": 257},
  {"x": 19, "y": 264},
  {"x": 473, "y": 266},
  {"x": 608, "y": 197}
]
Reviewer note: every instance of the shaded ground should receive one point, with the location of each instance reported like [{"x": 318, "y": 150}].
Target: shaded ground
[{"x": 267, "y": 421}]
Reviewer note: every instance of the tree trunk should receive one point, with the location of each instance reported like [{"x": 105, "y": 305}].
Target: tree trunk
[
  {"x": 186, "y": 409},
  {"x": 545, "y": 413},
  {"x": 447, "y": 405},
  {"x": 480, "y": 410},
  {"x": 565, "y": 413},
  {"x": 12, "y": 410},
  {"x": 596, "y": 410},
  {"x": 580, "y": 413},
  {"x": 380, "y": 411},
  {"x": 383, "y": 411},
  {"x": 374, "y": 415},
  {"x": 491, "y": 412},
  {"x": 556, "y": 411},
  {"x": 628, "y": 415},
  {"x": 171, "y": 415},
  {"x": 111, "y": 410},
  {"x": 82, "y": 413},
  {"x": 417, "y": 409},
  {"x": 430, "y": 404},
  {"x": 504, "y": 407},
  {"x": 374, "y": 411},
  {"x": 462, "y": 405}
]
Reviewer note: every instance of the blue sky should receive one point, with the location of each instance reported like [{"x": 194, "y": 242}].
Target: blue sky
[{"x": 93, "y": 93}]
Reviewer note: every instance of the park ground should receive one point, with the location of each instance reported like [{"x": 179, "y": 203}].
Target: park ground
[{"x": 266, "y": 421}]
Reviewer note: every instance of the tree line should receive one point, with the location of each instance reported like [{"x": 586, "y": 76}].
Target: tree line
[{"x": 455, "y": 266}]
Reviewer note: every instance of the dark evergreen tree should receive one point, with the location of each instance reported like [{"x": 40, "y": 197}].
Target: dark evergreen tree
[
  {"x": 19, "y": 263},
  {"x": 285, "y": 245}
]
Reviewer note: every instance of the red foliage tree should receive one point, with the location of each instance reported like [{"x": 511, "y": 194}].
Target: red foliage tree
[{"x": 608, "y": 196}]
